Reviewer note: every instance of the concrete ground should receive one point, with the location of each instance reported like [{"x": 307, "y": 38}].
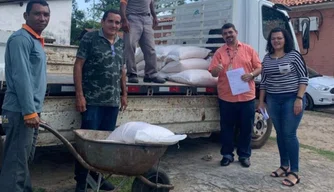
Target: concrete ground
[{"x": 53, "y": 169}]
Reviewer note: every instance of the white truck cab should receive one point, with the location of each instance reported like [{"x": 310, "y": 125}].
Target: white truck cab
[{"x": 199, "y": 23}]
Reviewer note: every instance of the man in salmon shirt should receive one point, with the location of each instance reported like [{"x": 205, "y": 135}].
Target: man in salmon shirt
[
  {"x": 25, "y": 70},
  {"x": 238, "y": 107}
]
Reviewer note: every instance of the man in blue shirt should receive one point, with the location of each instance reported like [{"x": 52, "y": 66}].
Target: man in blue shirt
[{"x": 25, "y": 69}]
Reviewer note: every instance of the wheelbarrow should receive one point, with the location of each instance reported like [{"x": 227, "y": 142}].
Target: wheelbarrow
[{"x": 109, "y": 158}]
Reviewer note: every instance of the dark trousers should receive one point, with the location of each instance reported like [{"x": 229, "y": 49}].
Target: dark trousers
[
  {"x": 232, "y": 114},
  {"x": 95, "y": 118},
  {"x": 19, "y": 150}
]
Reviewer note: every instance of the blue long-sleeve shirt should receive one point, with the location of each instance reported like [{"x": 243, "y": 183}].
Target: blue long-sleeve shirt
[{"x": 25, "y": 73}]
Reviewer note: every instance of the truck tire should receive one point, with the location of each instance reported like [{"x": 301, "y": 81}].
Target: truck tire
[{"x": 261, "y": 131}]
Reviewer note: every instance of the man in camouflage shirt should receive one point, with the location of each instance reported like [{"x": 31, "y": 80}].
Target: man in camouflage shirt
[{"x": 99, "y": 76}]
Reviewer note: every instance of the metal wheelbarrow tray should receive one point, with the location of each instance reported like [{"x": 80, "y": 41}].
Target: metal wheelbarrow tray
[
  {"x": 97, "y": 154},
  {"x": 117, "y": 158}
]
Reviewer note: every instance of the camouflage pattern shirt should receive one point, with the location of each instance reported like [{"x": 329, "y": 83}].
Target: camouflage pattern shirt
[{"x": 102, "y": 70}]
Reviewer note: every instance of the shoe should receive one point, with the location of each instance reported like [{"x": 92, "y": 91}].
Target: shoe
[
  {"x": 80, "y": 187},
  {"x": 133, "y": 78},
  {"x": 154, "y": 80},
  {"x": 225, "y": 161},
  {"x": 245, "y": 162},
  {"x": 289, "y": 182}
]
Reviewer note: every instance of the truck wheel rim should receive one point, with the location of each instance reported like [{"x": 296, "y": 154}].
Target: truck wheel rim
[{"x": 260, "y": 127}]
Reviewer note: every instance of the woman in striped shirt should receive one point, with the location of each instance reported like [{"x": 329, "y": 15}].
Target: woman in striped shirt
[{"x": 283, "y": 82}]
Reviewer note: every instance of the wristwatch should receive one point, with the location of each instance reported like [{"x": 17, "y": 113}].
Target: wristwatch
[{"x": 252, "y": 75}]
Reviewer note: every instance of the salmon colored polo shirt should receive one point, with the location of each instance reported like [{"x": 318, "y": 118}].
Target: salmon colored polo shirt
[{"x": 247, "y": 58}]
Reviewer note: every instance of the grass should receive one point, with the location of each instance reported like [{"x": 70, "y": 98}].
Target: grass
[
  {"x": 325, "y": 153},
  {"x": 126, "y": 186}
]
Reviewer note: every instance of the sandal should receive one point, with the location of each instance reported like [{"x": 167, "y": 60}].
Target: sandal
[
  {"x": 282, "y": 174},
  {"x": 289, "y": 181}
]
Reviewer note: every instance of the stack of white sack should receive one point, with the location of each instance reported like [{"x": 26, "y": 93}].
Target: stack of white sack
[
  {"x": 162, "y": 52},
  {"x": 144, "y": 133},
  {"x": 189, "y": 65}
]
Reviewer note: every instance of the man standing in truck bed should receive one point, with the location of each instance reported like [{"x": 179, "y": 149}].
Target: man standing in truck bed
[{"x": 138, "y": 18}]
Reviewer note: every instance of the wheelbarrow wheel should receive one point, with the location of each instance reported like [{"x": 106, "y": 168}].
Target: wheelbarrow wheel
[{"x": 151, "y": 175}]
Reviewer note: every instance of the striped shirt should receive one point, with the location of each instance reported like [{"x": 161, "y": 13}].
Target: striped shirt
[{"x": 274, "y": 81}]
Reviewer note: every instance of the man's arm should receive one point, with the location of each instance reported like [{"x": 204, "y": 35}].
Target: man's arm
[
  {"x": 124, "y": 3},
  {"x": 215, "y": 66},
  {"x": 77, "y": 76},
  {"x": 152, "y": 8},
  {"x": 125, "y": 22},
  {"x": 155, "y": 19},
  {"x": 123, "y": 82},
  {"x": 124, "y": 102},
  {"x": 19, "y": 49},
  {"x": 256, "y": 64},
  {"x": 82, "y": 54}
]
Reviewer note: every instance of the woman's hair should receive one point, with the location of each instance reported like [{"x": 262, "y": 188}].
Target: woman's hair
[{"x": 288, "y": 46}]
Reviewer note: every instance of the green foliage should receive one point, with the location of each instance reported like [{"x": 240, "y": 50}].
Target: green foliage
[
  {"x": 79, "y": 23},
  {"x": 82, "y": 19}
]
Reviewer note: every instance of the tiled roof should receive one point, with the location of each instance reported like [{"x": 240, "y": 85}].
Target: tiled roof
[{"x": 299, "y": 2}]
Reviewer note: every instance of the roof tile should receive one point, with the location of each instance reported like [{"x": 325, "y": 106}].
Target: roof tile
[{"x": 299, "y": 2}]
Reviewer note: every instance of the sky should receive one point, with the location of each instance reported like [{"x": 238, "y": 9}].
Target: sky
[{"x": 82, "y": 5}]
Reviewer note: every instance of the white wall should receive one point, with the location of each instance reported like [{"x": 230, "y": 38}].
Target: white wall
[{"x": 59, "y": 26}]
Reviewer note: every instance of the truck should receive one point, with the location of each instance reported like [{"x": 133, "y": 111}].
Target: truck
[{"x": 182, "y": 108}]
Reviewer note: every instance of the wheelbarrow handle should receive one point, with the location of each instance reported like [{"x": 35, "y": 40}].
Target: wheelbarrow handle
[{"x": 69, "y": 146}]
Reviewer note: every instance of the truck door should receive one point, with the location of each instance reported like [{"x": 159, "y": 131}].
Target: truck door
[{"x": 272, "y": 18}]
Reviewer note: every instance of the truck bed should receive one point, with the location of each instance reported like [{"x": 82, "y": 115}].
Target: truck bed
[{"x": 62, "y": 84}]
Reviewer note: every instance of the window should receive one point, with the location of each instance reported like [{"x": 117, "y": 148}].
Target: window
[{"x": 272, "y": 18}]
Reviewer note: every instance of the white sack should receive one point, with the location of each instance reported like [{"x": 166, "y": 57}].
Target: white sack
[
  {"x": 197, "y": 77},
  {"x": 178, "y": 66},
  {"x": 139, "y": 55},
  {"x": 164, "y": 75},
  {"x": 187, "y": 52},
  {"x": 144, "y": 133},
  {"x": 163, "y": 50},
  {"x": 141, "y": 65},
  {"x": 141, "y": 73}
]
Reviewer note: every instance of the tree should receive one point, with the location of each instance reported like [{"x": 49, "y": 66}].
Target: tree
[
  {"x": 79, "y": 23},
  {"x": 100, "y": 6}
]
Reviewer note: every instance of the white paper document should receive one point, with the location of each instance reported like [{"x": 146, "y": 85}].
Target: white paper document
[{"x": 238, "y": 86}]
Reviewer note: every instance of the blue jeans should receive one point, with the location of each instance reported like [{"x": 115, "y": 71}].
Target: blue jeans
[
  {"x": 100, "y": 118},
  {"x": 240, "y": 115},
  {"x": 19, "y": 150},
  {"x": 281, "y": 111}
]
